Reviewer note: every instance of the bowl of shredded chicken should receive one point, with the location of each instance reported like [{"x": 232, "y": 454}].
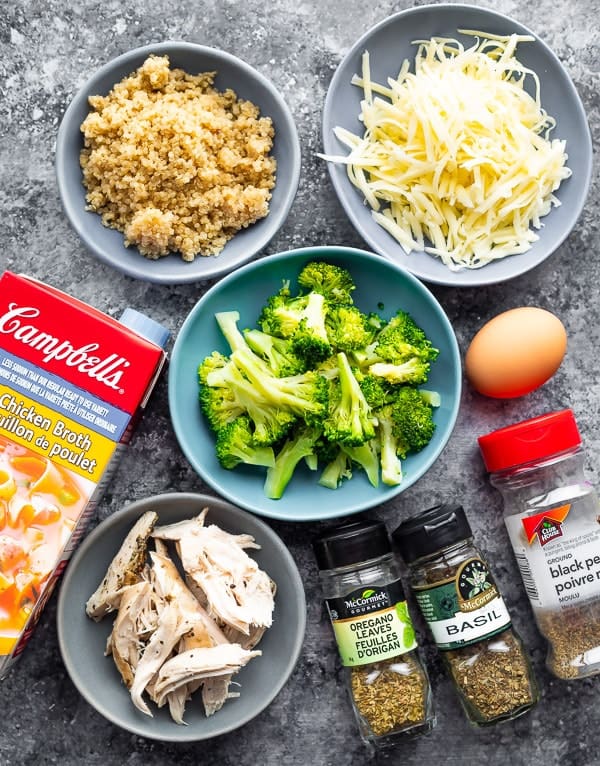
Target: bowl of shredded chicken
[
  {"x": 181, "y": 617},
  {"x": 457, "y": 144}
]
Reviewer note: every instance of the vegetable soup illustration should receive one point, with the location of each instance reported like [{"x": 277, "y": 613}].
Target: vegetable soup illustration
[{"x": 40, "y": 503}]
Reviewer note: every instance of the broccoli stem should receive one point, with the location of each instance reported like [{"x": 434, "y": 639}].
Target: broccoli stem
[
  {"x": 281, "y": 392},
  {"x": 292, "y": 452},
  {"x": 227, "y": 321},
  {"x": 366, "y": 456},
  {"x": 335, "y": 471},
  {"x": 391, "y": 467},
  {"x": 355, "y": 405}
]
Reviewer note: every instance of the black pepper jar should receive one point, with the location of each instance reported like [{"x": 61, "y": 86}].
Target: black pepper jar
[
  {"x": 388, "y": 685},
  {"x": 467, "y": 616}
]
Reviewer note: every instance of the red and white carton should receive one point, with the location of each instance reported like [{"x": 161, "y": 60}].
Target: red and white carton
[{"x": 73, "y": 384}]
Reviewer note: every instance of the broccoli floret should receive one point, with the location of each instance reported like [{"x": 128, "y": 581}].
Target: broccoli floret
[
  {"x": 364, "y": 357},
  {"x": 325, "y": 450},
  {"x": 398, "y": 341},
  {"x": 215, "y": 362},
  {"x": 401, "y": 339},
  {"x": 235, "y": 445},
  {"x": 334, "y": 282},
  {"x": 405, "y": 425},
  {"x": 336, "y": 470},
  {"x": 328, "y": 368},
  {"x": 277, "y": 352},
  {"x": 271, "y": 423},
  {"x": 301, "y": 319},
  {"x": 285, "y": 316},
  {"x": 374, "y": 389},
  {"x": 350, "y": 419},
  {"x": 366, "y": 456},
  {"x": 347, "y": 328},
  {"x": 412, "y": 419},
  {"x": 309, "y": 346},
  {"x": 299, "y": 445},
  {"x": 304, "y": 395},
  {"x": 219, "y": 406},
  {"x": 412, "y": 333},
  {"x": 413, "y": 371}
]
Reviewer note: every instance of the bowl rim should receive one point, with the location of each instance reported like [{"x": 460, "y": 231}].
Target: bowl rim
[
  {"x": 142, "y": 269},
  {"x": 323, "y": 251},
  {"x": 340, "y": 184},
  {"x": 130, "y": 509}
]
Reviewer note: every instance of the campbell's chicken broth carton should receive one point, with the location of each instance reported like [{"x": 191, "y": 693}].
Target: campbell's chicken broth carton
[{"x": 73, "y": 383}]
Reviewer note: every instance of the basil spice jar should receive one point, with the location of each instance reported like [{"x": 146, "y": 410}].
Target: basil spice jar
[
  {"x": 388, "y": 685},
  {"x": 466, "y": 615}
]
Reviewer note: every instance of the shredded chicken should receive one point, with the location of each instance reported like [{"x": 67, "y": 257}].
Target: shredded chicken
[
  {"x": 124, "y": 569},
  {"x": 198, "y": 664},
  {"x": 236, "y": 589},
  {"x": 128, "y": 628},
  {"x": 184, "y": 623}
]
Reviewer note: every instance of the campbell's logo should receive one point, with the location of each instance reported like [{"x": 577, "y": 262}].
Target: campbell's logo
[{"x": 107, "y": 370}]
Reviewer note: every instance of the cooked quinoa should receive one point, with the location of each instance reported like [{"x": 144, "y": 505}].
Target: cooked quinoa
[{"x": 174, "y": 164}]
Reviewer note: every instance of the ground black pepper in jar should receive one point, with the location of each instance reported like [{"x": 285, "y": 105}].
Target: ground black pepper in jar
[
  {"x": 387, "y": 682},
  {"x": 467, "y": 615},
  {"x": 552, "y": 514}
]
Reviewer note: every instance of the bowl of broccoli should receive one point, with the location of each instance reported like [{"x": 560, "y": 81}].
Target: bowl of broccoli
[{"x": 314, "y": 383}]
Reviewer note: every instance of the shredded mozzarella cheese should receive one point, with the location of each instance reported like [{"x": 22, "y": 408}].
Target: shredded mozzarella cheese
[{"x": 456, "y": 158}]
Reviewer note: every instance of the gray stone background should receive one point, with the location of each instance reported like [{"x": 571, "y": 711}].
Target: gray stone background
[{"x": 47, "y": 50}]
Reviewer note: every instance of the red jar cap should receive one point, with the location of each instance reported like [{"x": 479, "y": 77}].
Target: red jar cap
[{"x": 529, "y": 440}]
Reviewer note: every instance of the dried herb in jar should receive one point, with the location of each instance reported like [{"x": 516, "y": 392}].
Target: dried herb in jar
[
  {"x": 573, "y": 635},
  {"x": 389, "y": 688},
  {"x": 390, "y": 695},
  {"x": 494, "y": 675},
  {"x": 467, "y": 615}
]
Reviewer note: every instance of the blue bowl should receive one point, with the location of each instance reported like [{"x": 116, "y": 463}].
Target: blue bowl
[
  {"x": 379, "y": 282},
  {"x": 107, "y": 244},
  {"x": 389, "y": 43}
]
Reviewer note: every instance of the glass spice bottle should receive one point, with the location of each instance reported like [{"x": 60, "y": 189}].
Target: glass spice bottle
[
  {"x": 552, "y": 515},
  {"x": 388, "y": 685},
  {"x": 467, "y": 615}
]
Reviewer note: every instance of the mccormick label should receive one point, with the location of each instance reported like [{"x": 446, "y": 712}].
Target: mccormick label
[
  {"x": 465, "y": 608},
  {"x": 73, "y": 382},
  {"x": 372, "y": 624},
  {"x": 558, "y": 552}
]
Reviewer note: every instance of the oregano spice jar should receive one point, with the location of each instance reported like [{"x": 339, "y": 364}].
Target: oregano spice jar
[
  {"x": 388, "y": 685},
  {"x": 467, "y": 616}
]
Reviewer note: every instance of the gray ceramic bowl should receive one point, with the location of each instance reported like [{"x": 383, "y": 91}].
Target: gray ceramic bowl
[
  {"x": 389, "y": 43},
  {"x": 82, "y": 641},
  {"x": 107, "y": 244}
]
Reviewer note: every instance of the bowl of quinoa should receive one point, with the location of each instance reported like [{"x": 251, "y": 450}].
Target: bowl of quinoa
[{"x": 177, "y": 162}]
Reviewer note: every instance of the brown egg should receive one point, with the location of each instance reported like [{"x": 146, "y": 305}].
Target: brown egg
[{"x": 515, "y": 352}]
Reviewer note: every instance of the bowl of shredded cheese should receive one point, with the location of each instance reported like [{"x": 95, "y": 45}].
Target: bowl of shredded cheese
[
  {"x": 177, "y": 162},
  {"x": 457, "y": 144}
]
